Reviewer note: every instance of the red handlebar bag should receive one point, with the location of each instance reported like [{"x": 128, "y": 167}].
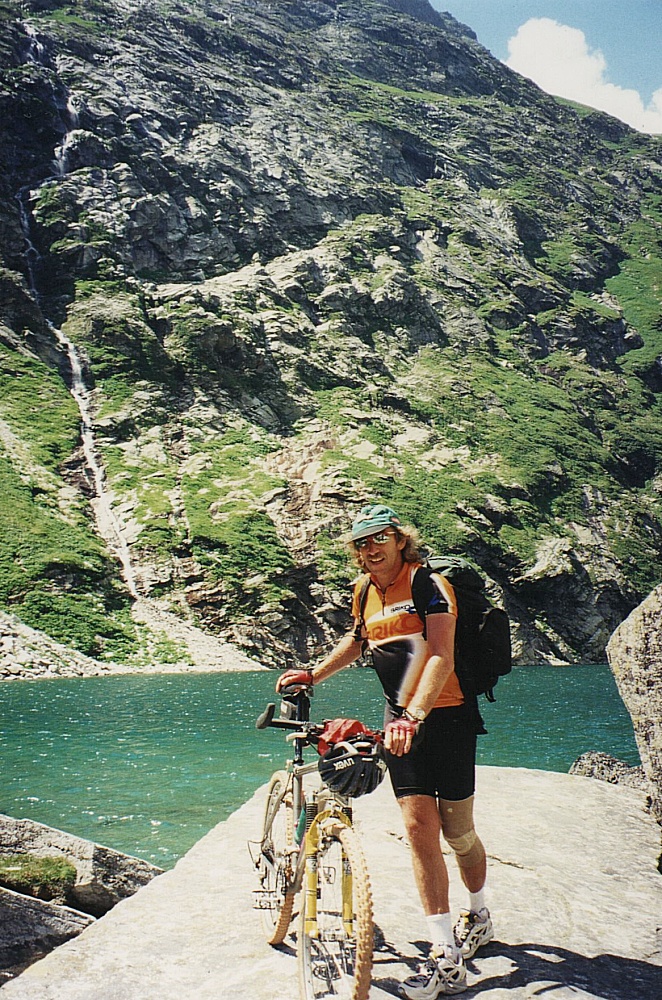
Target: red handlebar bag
[{"x": 337, "y": 730}]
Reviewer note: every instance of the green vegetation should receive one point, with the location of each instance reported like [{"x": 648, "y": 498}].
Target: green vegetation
[
  {"x": 48, "y": 878},
  {"x": 531, "y": 436},
  {"x": 638, "y": 286},
  {"x": 158, "y": 649},
  {"x": 231, "y": 538},
  {"x": 54, "y": 572},
  {"x": 37, "y": 409},
  {"x": 109, "y": 323},
  {"x": 77, "y": 15}
]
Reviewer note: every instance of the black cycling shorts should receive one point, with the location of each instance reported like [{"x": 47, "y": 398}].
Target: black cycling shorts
[{"x": 442, "y": 760}]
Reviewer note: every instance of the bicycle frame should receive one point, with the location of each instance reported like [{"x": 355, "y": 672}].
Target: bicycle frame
[
  {"x": 297, "y": 769},
  {"x": 308, "y": 843}
]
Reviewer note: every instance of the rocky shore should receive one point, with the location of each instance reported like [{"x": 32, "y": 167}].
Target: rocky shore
[
  {"x": 36, "y": 916},
  {"x": 27, "y": 654},
  {"x": 302, "y": 256}
]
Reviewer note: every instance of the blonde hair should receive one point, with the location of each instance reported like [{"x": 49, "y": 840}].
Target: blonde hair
[{"x": 411, "y": 552}]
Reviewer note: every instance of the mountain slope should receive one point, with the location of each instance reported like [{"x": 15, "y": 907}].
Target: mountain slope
[{"x": 312, "y": 254}]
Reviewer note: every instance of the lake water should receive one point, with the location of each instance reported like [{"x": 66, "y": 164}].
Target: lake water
[{"x": 148, "y": 764}]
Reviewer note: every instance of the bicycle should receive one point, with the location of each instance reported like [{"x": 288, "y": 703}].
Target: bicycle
[{"x": 308, "y": 842}]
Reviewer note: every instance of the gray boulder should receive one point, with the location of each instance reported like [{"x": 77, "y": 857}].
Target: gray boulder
[
  {"x": 104, "y": 876},
  {"x": 635, "y": 657},
  {"x": 604, "y": 767},
  {"x": 30, "y": 928}
]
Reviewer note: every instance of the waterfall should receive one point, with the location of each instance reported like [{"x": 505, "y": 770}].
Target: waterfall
[
  {"x": 108, "y": 524},
  {"x": 35, "y": 49},
  {"x": 31, "y": 255},
  {"x": 70, "y": 119}
]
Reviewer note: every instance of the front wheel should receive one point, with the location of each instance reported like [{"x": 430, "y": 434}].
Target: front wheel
[
  {"x": 335, "y": 944},
  {"x": 277, "y": 860}
]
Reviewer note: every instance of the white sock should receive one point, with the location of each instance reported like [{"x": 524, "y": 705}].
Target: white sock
[
  {"x": 440, "y": 927},
  {"x": 477, "y": 901}
]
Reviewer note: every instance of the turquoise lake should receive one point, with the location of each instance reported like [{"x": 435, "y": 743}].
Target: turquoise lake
[{"x": 148, "y": 764}]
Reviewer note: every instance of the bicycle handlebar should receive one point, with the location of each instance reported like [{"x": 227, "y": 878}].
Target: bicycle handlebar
[
  {"x": 267, "y": 720},
  {"x": 301, "y": 729}
]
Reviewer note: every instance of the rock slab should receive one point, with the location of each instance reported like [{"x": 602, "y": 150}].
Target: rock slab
[
  {"x": 573, "y": 888},
  {"x": 635, "y": 657}
]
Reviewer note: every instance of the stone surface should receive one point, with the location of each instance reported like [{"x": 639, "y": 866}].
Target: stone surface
[
  {"x": 572, "y": 887},
  {"x": 635, "y": 658},
  {"x": 104, "y": 876}
]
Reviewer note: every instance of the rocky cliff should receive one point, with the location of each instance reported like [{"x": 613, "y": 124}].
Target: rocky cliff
[{"x": 292, "y": 257}]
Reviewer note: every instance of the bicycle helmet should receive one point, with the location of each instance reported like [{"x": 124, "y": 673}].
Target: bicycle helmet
[{"x": 354, "y": 766}]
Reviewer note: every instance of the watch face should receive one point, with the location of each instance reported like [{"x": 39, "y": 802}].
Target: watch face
[{"x": 416, "y": 713}]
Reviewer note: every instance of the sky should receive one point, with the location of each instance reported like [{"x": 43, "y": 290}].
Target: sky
[{"x": 603, "y": 53}]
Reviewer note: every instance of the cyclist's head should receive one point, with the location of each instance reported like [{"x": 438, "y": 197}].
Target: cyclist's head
[
  {"x": 371, "y": 518},
  {"x": 354, "y": 766},
  {"x": 374, "y": 519}
]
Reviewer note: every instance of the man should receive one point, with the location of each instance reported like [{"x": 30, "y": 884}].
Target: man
[{"x": 430, "y": 732}]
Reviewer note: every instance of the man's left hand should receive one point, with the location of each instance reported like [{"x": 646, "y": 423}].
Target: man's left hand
[{"x": 399, "y": 735}]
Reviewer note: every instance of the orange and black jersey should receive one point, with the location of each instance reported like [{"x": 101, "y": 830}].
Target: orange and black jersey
[{"x": 394, "y": 631}]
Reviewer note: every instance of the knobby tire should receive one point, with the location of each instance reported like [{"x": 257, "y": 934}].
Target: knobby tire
[
  {"x": 278, "y": 861},
  {"x": 337, "y": 966}
]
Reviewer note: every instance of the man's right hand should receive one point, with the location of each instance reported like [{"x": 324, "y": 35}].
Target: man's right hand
[{"x": 304, "y": 678}]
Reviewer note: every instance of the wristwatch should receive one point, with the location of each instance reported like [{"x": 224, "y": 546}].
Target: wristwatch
[{"x": 414, "y": 714}]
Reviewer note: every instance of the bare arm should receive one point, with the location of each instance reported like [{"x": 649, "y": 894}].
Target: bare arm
[
  {"x": 441, "y": 646},
  {"x": 344, "y": 652}
]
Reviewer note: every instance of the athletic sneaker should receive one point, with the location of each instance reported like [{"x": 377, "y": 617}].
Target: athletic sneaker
[
  {"x": 473, "y": 930},
  {"x": 443, "y": 974}
]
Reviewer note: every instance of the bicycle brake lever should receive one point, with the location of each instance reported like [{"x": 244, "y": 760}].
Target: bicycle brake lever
[{"x": 296, "y": 736}]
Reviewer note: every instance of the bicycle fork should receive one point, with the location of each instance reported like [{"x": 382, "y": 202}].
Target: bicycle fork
[{"x": 322, "y": 825}]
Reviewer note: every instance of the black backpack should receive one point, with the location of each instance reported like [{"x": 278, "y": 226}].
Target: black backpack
[{"x": 482, "y": 636}]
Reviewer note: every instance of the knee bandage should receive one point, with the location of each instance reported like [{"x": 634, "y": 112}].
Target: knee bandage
[{"x": 459, "y": 833}]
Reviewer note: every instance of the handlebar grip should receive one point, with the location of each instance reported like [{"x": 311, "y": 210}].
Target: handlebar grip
[{"x": 265, "y": 719}]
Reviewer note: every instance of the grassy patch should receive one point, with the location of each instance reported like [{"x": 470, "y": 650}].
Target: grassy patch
[
  {"x": 56, "y": 576},
  {"x": 638, "y": 288},
  {"x": 45, "y": 878},
  {"x": 244, "y": 556},
  {"x": 37, "y": 408}
]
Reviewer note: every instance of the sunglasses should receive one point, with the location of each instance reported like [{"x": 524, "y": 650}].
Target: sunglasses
[{"x": 380, "y": 539}]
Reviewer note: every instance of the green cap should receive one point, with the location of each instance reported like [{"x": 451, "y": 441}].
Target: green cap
[{"x": 373, "y": 517}]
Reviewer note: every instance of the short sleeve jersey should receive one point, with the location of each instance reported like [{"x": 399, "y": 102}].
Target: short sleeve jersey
[{"x": 394, "y": 632}]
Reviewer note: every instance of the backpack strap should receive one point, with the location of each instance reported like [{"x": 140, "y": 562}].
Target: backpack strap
[
  {"x": 363, "y": 598},
  {"x": 418, "y": 579}
]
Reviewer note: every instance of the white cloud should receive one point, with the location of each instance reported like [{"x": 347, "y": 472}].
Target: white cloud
[{"x": 559, "y": 59}]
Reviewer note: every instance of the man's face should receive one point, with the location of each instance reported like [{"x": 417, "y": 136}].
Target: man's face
[{"x": 381, "y": 554}]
